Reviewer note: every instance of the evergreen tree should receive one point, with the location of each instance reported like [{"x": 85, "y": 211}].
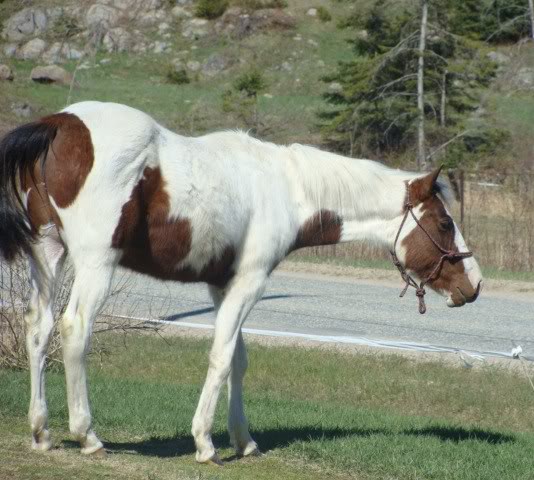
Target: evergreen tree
[{"x": 375, "y": 111}]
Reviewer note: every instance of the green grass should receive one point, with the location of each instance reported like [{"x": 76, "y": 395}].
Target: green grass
[{"x": 315, "y": 413}]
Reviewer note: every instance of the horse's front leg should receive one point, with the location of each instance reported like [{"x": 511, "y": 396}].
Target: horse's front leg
[
  {"x": 237, "y": 421},
  {"x": 90, "y": 288},
  {"x": 241, "y": 295}
]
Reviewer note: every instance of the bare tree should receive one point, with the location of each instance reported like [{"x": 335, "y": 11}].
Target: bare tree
[
  {"x": 531, "y": 11},
  {"x": 421, "y": 157}
]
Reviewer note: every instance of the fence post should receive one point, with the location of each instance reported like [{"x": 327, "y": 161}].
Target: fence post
[{"x": 462, "y": 199}]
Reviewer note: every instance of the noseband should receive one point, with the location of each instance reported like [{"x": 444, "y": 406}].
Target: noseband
[{"x": 449, "y": 255}]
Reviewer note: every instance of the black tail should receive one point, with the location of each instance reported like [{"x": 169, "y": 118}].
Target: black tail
[{"x": 19, "y": 151}]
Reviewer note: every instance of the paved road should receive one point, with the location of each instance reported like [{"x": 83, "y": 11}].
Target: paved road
[{"x": 337, "y": 306}]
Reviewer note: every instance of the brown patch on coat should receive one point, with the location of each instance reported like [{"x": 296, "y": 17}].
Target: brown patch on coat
[
  {"x": 69, "y": 159},
  {"x": 323, "y": 228},
  {"x": 154, "y": 244},
  {"x": 66, "y": 166},
  {"x": 40, "y": 211}
]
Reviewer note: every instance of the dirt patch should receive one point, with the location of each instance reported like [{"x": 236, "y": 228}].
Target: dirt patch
[{"x": 525, "y": 290}]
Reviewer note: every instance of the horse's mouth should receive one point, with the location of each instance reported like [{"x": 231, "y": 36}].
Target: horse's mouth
[{"x": 456, "y": 299}]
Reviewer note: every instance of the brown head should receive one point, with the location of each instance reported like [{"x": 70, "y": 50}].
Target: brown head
[{"x": 423, "y": 243}]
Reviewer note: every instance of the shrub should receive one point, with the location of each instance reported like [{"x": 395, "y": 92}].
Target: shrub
[
  {"x": 177, "y": 76},
  {"x": 250, "y": 83},
  {"x": 259, "y": 4},
  {"x": 210, "y": 9},
  {"x": 323, "y": 14}
]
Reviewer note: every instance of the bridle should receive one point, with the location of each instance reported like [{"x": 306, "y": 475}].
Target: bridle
[{"x": 449, "y": 255}]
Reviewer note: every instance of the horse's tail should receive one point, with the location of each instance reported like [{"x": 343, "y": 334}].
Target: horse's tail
[{"x": 20, "y": 150}]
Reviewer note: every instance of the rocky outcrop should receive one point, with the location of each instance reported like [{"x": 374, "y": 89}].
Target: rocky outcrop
[
  {"x": 31, "y": 50},
  {"x": 26, "y": 23},
  {"x": 237, "y": 23}
]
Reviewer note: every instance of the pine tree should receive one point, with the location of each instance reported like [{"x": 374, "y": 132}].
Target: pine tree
[{"x": 376, "y": 110}]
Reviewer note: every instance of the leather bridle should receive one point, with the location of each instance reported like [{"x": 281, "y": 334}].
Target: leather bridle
[{"x": 448, "y": 255}]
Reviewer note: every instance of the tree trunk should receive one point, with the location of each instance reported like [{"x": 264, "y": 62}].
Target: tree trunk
[
  {"x": 531, "y": 10},
  {"x": 421, "y": 156},
  {"x": 442, "y": 113}
]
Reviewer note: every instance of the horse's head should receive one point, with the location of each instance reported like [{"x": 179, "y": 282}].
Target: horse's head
[{"x": 430, "y": 244}]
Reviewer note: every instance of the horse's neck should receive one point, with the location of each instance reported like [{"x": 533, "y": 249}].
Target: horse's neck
[{"x": 367, "y": 196}]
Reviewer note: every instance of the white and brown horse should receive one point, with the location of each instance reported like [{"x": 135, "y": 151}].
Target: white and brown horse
[{"x": 109, "y": 186}]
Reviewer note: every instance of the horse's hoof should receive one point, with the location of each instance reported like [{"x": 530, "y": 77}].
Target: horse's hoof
[
  {"x": 213, "y": 460},
  {"x": 254, "y": 452},
  {"x": 41, "y": 441},
  {"x": 100, "y": 453}
]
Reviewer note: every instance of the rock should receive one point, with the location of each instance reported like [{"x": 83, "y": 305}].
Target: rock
[
  {"x": 117, "y": 40},
  {"x": 195, "y": 28},
  {"x": 22, "y": 109},
  {"x": 215, "y": 64},
  {"x": 193, "y": 65},
  {"x": 32, "y": 49},
  {"x": 335, "y": 87},
  {"x": 498, "y": 57},
  {"x": 53, "y": 54},
  {"x": 151, "y": 18},
  {"x": 23, "y": 24},
  {"x": 102, "y": 16},
  {"x": 6, "y": 73},
  {"x": 320, "y": 63},
  {"x": 181, "y": 12},
  {"x": 286, "y": 66},
  {"x": 313, "y": 43},
  {"x": 163, "y": 27},
  {"x": 312, "y": 12},
  {"x": 51, "y": 74},
  {"x": 10, "y": 50},
  {"x": 524, "y": 78},
  {"x": 161, "y": 47}
]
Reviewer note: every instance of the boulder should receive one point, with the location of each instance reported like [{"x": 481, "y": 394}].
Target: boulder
[
  {"x": 31, "y": 50},
  {"x": 117, "y": 40},
  {"x": 195, "y": 28},
  {"x": 23, "y": 24},
  {"x": 22, "y": 109},
  {"x": 215, "y": 64},
  {"x": 193, "y": 65},
  {"x": 161, "y": 47},
  {"x": 6, "y": 73},
  {"x": 181, "y": 12},
  {"x": 239, "y": 24},
  {"x": 102, "y": 16},
  {"x": 10, "y": 50},
  {"x": 51, "y": 74},
  {"x": 312, "y": 12},
  {"x": 498, "y": 57}
]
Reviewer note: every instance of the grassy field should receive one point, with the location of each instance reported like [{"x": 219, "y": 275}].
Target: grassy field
[{"x": 315, "y": 413}]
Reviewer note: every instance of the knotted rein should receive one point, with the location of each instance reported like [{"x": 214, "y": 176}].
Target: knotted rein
[{"x": 449, "y": 255}]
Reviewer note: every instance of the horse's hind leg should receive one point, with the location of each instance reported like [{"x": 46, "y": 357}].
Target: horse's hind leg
[
  {"x": 46, "y": 266},
  {"x": 91, "y": 285}
]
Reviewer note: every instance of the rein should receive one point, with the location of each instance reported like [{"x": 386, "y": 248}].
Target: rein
[{"x": 449, "y": 255}]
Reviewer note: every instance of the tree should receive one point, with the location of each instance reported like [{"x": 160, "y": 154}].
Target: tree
[{"x": 411, "y": 85}]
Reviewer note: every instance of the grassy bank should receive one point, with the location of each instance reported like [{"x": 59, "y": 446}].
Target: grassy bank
[{"x": 315, "y": 413}]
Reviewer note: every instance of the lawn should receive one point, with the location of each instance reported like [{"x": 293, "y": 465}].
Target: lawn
[{"x": 315, "y": 413}]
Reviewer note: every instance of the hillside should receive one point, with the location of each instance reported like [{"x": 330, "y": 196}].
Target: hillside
[{"x": 137, "y": 52}]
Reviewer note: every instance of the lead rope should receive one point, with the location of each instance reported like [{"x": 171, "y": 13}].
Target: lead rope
[{"x": 449, "y": 255}]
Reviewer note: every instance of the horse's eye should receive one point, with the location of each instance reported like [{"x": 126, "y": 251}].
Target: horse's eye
[{"x": 446, "y": 224}]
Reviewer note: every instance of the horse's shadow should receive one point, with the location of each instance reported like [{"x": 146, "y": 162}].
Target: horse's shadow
[{"x": 268, "y": 440}]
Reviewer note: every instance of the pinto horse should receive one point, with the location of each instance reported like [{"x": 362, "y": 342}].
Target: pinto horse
[{"x": 107, "y": 185}]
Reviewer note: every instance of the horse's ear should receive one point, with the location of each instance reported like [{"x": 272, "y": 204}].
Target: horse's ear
[{"x": 423, "y": 188}]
